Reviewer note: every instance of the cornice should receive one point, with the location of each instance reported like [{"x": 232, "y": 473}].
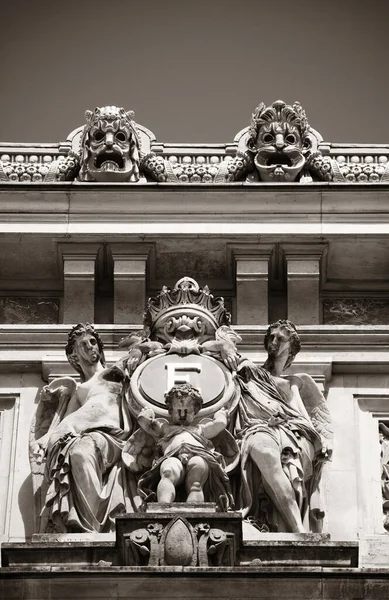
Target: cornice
[{"x": 320, "y": 209}]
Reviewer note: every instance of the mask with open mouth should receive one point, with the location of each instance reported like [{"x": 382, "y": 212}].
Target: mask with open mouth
[
  {"x": 279, "y": 138},
  {"x": 110, "y": 146}
]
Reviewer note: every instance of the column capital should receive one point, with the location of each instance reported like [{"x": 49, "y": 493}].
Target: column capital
[
  {"x": 250, "y": 250},
  {"x": 301, "y": 251},
  {"x": 78, "y": 251},
  {"x": 130, "y": 251}
]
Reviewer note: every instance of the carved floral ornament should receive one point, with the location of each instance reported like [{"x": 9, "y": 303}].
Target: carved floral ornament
[{"x": 278, "y": 146}]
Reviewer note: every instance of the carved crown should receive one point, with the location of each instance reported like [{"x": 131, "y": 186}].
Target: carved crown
[{"x": 186, "y": 307}]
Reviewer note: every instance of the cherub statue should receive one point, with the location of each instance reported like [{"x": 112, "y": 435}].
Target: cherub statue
[{"x": 187, "y": 455}]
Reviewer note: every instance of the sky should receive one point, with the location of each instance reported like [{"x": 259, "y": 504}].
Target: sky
[{"x": 193, "y": 71}]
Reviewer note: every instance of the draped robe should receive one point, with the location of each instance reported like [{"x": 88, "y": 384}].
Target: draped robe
[{"x": 264, "y": 413}]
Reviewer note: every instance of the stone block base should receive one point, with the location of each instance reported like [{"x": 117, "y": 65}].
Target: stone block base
[
  {"x": 179, "y": 535},
  {"x": 187, "y": 583}
]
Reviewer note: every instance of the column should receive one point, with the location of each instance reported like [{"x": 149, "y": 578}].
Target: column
[
  {"x": 252, "y": 274},
  {"x": 303, "y": 272},
  {"x": 129, "y": 282},
  {"x": 79, "y": 282}
]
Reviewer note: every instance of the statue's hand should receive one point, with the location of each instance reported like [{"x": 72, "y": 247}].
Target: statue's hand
[
  {"x": 39, "y": 447},
  {"x": 61, "y": 435},
  {"x": 134, "y": 358},
  {"x": 223, "y": 413},
  {"x": 230, "y": 358},
  {"x": 47, "y": 395},
  {"x": 147, "y": 413},
  {"x": 325, "y": 454}
]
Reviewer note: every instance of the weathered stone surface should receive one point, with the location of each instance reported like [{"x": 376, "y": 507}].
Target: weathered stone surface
[
  {"x": 356, "y": 311},
  {"x": 310, "y": 551},
  {"x": 31, "y": 310},
  {"x": 71, "y": 554},
  {"x": 193, "y": 583}
]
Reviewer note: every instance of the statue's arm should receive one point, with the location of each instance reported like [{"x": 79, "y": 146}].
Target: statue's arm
[
  {"x": 296, "y": 400},
  {"x": 212, "y": 428},
  {"x": 62, "y": 427},
  {"x": 63, "y": 392},
  {"x": 148, "y": 422}
]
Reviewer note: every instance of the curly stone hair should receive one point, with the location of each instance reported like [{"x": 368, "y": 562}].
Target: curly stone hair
[
  {"x": 295, "y": 344},
  {"x": 76, "y": 332},
  {"x": 181, "y": 391}
]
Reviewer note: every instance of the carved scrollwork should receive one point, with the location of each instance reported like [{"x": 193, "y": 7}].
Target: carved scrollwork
[{"x": 178, "y": 543}]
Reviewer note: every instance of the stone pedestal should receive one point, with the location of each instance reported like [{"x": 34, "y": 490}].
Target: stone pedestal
[
  {"x": 129, "y": 283},
  {"x": 180, "y": 534},
  {"x": 303, "y": 271},
  {"x": 252, "y": 274},
  {"x": 79, "y": 282}
]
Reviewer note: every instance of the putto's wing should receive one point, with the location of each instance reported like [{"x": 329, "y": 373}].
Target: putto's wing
[
  {"x": 50, "y": 411},
  {"x": 139, "y": 451},
  {"x": 317, "y": 408}
]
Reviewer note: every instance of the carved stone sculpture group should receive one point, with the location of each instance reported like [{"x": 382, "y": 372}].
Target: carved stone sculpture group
[{"x": 180, "y": 417}]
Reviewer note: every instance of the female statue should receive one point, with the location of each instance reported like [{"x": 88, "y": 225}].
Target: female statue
[
  {"x": 85, "y": 485},
  {"x": 283, "y": 424}
]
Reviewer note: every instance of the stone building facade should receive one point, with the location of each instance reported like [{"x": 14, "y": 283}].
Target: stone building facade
[{"x": 283, "y": 226}]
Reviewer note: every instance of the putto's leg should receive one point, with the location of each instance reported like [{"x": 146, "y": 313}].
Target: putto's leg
[
  {"x": 197, "y": 475},
  {"x": 172, "y": 472}
]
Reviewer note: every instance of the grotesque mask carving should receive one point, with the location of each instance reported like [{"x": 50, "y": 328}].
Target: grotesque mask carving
[
  {"x": 110, "y": 146},
  {"x": 279, "y": 138}
]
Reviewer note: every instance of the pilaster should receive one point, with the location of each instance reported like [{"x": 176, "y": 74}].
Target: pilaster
[
  {"x": 130, "y": 262},
  {"x": 303, "y": 272},
  {"x": 252, "y": 275},
  {"x": 79, "y": 281}
]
